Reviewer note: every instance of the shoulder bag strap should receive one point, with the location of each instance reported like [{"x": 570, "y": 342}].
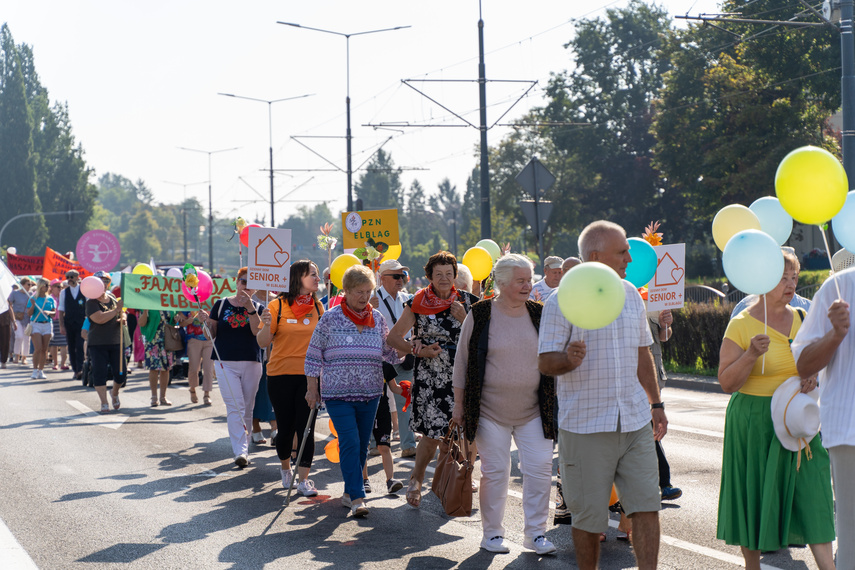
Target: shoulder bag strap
[{"x": 391, "y": 312}]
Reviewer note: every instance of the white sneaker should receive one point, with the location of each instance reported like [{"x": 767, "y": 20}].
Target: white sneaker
[
  {"x": 540, "y": 544},
  {"x": 307, "y": 488},
  {"x": 286, "y": 478},
  {"x": 42, "y": 375},
  {"x": 34, "y": 375},
  {"x": 495, "y": 544},
  {"x": 345, "y": 501}
]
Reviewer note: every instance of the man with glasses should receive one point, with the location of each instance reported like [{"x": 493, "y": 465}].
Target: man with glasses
[
  {"x": 72, "y": 313},
  {"x": 390, "y": 300}
]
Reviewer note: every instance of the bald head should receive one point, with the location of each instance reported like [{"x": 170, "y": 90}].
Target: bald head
[{"x": 570, "y": 263}]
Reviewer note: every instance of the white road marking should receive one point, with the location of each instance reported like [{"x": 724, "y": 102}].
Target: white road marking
[
  {"x": 696, "y": 431},
  {"x": 12, "y": 553},
  {"x": 113, "y": 420}
]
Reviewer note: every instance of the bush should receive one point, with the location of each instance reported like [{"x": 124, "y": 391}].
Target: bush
[{"x": 698, "y": 332}]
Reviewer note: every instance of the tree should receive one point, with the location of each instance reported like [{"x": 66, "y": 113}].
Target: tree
[
  {"x": 380, "y": 187},
  {"x": 140, "y": 243},
  {"x": 17, "y": 155}
]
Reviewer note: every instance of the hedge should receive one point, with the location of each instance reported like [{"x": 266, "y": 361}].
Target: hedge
[{"x": 698, "y": 331}]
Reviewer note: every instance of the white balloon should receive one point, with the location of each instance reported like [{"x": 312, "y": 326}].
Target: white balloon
[
  {"x": 174, "y": 272},
  {"x": 774, "y": 220},
  {"x": 13, "y": 250}
]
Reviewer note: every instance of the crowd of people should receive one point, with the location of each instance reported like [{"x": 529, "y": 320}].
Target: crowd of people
[{"x": 502, "y": 362}]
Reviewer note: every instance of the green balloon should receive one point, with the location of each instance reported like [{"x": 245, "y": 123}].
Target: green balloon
[
  {"x": 591, "y": 295},
  {"x": 492, "y": 247}
]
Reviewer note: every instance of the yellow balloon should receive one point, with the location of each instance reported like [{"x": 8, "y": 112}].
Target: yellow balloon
[
  {"x": 731, "y": 220},
  {"x": 811, "y": 185},
  {"x": 339, "y": 265},
  {"x": 393, "y": 252},
  {"x": 479, "y": 261},
  {"x": 143, "y": 269}
]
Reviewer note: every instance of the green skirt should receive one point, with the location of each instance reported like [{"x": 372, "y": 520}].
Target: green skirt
[{"x": 765, "y": 503}]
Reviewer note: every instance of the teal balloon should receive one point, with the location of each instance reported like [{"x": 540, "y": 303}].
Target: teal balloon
[
  {"x": 843, "y": 223},
  {"x": 642, "y": 268},
  {"x": 774, "y": 219},
  {"x": 753, "y": 262},
  {"x": 492, "y": 247},
  {"x": 591, "y": 295}
]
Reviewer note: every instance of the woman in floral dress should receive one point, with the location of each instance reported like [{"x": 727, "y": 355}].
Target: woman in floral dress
[
  {"x": 435, "y": 314},
  {"x": 157, "y": 360}
]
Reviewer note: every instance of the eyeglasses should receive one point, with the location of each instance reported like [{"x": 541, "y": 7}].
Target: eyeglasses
[
  {"x": 395, "y": 276},
  {"x": 242, "y": 281}
]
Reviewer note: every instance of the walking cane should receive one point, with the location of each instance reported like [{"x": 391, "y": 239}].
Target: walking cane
[{"x": 312, "y": 415}]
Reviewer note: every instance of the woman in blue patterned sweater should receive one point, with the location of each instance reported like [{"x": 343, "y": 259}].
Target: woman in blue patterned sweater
[{"x": 348, "y": 348}]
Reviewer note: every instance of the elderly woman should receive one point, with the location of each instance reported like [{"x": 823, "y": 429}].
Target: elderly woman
[
  {"x": 289, "y": 322},
  {"x": 234, "y": 322},
  {"x": 18, "y": 300},
  {"x": 767, "y": 501},
  {"x": 348, "y": 347},
  {"x": 499, "y": 394},
  {"x": 158, "y": 360},
  {"x": 435, "y": 314},
  {"x": 40, "y": 309},
  {"x": 103, "y": 340}
]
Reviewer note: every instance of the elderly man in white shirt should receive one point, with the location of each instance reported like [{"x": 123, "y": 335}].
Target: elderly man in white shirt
[
  {"x": 389, "y": 300},
  {"x": 823, "y": 345},
  {"x": 552, "y": 272},
  {"x": 607, "y": 393}
]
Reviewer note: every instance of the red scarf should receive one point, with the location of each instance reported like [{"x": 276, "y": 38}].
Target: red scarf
[
  {"x": 427, "y": 302},
  {"x": 364, "y": 318},
  {"x": 302, "y": 305}
]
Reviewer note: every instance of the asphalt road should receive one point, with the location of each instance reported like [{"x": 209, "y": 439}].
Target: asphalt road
[{"x": 157, "y": 488}]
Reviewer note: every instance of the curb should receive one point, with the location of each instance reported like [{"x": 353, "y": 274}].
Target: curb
[{"x": 691, "y": 382}]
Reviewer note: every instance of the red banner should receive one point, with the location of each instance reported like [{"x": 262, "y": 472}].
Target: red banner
[
  {"x": 56, "y": 266},
  {"x": 24, "y": 264}
]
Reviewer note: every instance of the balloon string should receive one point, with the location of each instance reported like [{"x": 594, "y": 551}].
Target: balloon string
[
  {"x": 765, "y": 331},
  {"x": 223, "y": 368},
  {"x": 831, "y": 263}
]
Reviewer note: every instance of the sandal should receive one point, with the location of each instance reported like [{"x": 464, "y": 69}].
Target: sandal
[
  {"x": 165, "y": 402},
  {"x": 194, "y": 399},
  {"x": 116, "y": 403},
  {"x": 414, "y": 494},
  {"x": 206, "y": 399},
  {"x": 602, "y": 537},
  {"x": 154, "y": 402},
  {"x": 105, "y": 408}
]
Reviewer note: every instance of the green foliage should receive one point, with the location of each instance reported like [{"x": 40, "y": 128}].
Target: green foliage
[
  {"x": 139, "y": 242},
  {"x": 380, "y": 187},
  {"x": 698, "y": 332}
]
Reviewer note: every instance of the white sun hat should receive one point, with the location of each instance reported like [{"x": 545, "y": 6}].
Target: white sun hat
[
  {"x": 795, "y": 415},
  {"x": 843, "y": 259}
]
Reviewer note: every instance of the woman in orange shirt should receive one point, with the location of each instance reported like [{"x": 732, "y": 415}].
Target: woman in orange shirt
[{"x": 288, "y": 322}]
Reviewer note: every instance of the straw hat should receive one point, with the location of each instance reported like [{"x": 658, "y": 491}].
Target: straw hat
[
  {"x": 795, "y": 415},
  {"x": 843, "y": 259}
]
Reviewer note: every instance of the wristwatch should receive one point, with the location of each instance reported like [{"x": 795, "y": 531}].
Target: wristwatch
[
  {"x": 659, "y": 405},
  {"x": 252, "y": 313}
]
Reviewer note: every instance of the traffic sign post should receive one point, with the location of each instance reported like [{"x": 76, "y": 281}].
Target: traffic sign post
[{"x": 536, "y": 180}]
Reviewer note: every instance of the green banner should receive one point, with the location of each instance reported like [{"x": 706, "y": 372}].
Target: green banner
[{"x": 164, "y": 293}]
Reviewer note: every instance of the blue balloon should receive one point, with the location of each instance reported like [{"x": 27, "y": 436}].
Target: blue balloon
[
  {"x": 843, "y": 223},
  {"x": 642, "y": 268},
  {"x": 753, "y": 262},
  {"x": 774, "y": 220}
]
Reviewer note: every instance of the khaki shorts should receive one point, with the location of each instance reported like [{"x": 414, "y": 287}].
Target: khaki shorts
[{"x": 590, "y": 463}]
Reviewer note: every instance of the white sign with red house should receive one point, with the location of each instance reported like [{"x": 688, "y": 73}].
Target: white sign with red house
[
  {"x": 269, "y": 259},
  {"x": 666, "y": 289}
]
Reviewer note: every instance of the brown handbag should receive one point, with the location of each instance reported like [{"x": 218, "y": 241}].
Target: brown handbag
[
  {"x": 171, "y": 337},
  {"x": 452, "y": 480}
]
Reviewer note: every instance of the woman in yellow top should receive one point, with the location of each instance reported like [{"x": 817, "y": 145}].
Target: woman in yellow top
[
  {"x": 288, "y": 322},
  {"x": 767, "y": 501}
]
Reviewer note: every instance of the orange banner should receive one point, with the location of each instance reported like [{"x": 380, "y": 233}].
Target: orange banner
[{"x": 57, "y": 265}]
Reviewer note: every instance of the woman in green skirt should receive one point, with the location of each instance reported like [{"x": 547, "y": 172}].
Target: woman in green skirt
[{"x": 769, "y": 499}]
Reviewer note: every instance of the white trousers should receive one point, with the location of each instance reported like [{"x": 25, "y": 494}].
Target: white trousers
[
  {"x": 238, "y": 382},
  {"x": 22, "y": 341},
  {"x": 843, "y": 474},
  {"x": 535, "y": 453}
]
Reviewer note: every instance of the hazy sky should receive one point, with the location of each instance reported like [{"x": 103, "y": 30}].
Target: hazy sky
[{"x": 141, "y": 79}]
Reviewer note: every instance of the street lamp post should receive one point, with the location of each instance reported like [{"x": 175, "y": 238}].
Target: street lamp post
[
  {"x": 348, "y": 135},
  {"x": 210, "y": 202},
  {"x": 184, "y": 209},
  {"x": 270, "y": 103}
]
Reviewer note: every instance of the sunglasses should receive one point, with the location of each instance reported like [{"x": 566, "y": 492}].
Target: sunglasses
[
  {"x": 395, "y": 276},
  {"x": 242, "y": 281}
]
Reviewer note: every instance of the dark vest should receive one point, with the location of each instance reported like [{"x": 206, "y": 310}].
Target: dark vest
[
  {"x": 75, "y": 309},
  {"x": 478, "y": 363}
]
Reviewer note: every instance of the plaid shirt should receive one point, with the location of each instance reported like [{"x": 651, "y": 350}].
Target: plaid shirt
[{"x": 605, "y": 386}]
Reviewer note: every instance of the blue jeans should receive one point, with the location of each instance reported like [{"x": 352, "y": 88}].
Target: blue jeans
[{"x": 353, "y": 422}]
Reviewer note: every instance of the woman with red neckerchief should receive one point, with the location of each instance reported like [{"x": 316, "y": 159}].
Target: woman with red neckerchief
[
  {"x": 435, "y": 314},
  {"x": 288, "y": 322}
]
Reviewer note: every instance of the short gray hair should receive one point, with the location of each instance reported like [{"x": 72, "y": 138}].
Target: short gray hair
[
  {"x": 503, "y": 271},
  {"x": 464, "y": 278},
  {"x": 593, "y": 237},
  {"x": 357, "y": 275}
]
